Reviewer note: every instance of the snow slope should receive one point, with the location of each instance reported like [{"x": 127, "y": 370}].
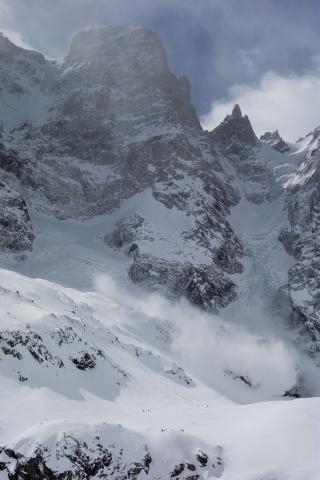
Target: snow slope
[
  {"x": 100, "y": 378},
  {"x": 134, "y": 376},
  {"x": 90, "y": 356}
]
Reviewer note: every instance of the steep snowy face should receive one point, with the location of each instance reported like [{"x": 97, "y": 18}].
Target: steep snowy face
[
  {"x": 120, "y": 127},
  {"x": 283, "y": 183},
  {"x": 105, "y": 391},
  {"x": 301, "y": 239},
  {"x": 25, "y": 76},
  {"x": 118, "y": 135},
  {"x": 105, "y": 151}
]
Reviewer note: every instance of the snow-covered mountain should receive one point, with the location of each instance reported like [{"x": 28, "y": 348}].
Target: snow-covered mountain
[
  {"x": 301, "y": 240},
  {"x": 159, "y": 283}
]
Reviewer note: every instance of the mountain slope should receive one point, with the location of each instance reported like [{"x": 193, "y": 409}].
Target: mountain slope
[
  {"x": 118, "y": 124},
  {"x": 103, "y": 393},
  {"x": 126, "y": 229},
  {"x": 301, "y": 240}
]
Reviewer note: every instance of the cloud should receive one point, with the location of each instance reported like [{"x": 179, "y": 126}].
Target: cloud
[
  {"x": 288, "y": 103},
  {"x": 216, "y": 351},
  {"x": 222, "y": 48},
  {"x": 215, "y": 43},
  {"x": 16, "y": 38}
]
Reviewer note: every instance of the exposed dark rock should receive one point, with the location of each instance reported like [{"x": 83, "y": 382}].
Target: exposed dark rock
[
  {"x": 180, "y": 374},
  {"x": 236, "y": 140},
  {"x": 202, "y": 458},
  {"x": 16, "y": 233},
  {"x": 11, "y": 351},
  {"x": 86, "y": 462},
  {"x": 276, "y": 141},
  {"x": 12, "y": 341},
  {"x": 293, "y": 392},
  {"x": 301, "y": 240},
  {"x": 226, "y": 259},
  {"x": 98, "y": 458},
  {"x": 119, "y": 123},
  {"x": 84, "y": 362},
  {"x": 235, "y": 131},
  {"x": 126, "y": 231},
  {"x": 178, "y": 469},
  {"x": 243, "y": 378},
  {"x": 202, "y": 284},
  {"x": 22, "y": 378},
  {"x": 134, "y": 250},
  {"x": 11, "y": 162}
]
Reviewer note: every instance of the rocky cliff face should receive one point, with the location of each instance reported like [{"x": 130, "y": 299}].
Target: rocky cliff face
[
  {"x": 116, "y": 123},
  {"x": 111, "y": 94},
  {"x": 105, "y": 146},
  {"x": 295, "y": 182},
  {"x": 235, "y": 139},
  {"x": 16, "y": 233},
  {"x": 114, "y": 127},
  {"x": 113, "y": 111},
  {"x": 106, "y": 452},
  {"x": 301, "y": 240},
  {"x": 276, "y": 141}
]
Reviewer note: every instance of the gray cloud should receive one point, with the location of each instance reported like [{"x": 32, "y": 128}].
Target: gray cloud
[
  {"x": 216, "y": 43},
  {"x": 291, "y": 104}
]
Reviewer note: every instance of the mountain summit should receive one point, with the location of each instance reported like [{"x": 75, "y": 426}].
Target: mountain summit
[
  {"x": 236, "y": 111},
  {"x": 235, "y": 129},
  {"x": 155, "y": 276}
]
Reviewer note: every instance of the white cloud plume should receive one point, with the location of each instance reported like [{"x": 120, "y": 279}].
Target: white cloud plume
[
  {"x": 16, "y": 38},
  {"x": 288, "y": 103},
  {"x": 216, "y": 351},
  {"x": 214, "y": 42}
]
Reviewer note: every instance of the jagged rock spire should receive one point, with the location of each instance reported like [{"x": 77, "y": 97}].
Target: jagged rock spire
[
  {"x": 235, "y": 128},
  {"x": 235, "y": 139},
  {"x": 236, "y": 111}
]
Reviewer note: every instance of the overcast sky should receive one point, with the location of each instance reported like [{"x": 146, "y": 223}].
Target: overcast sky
[{"x": 263, "y": 54}]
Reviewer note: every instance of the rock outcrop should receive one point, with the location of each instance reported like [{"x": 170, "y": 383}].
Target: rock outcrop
[
  {"x": 115, "y": 122},
  {"x": 111, "y": 122},
  {"x": 203, "y": 285},
  {"x": 106, "y": 452},
  {"x": 235, "y": 139},
  {"x": 235, "y": 132},
  {"x": 301, "y": 240},
  {"x": 276, "y": 141},
  {"x": 16, "y": 232},
  {"x": 109, "y": 131}
]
